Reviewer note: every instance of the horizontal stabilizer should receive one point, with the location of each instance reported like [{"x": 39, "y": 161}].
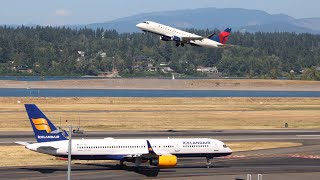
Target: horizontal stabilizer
[
  {"x": 22, "y": 143},
  {"x": 211, "y": 35}
]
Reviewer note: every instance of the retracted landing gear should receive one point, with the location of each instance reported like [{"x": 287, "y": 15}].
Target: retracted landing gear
[{"x": 208, "y": 162}]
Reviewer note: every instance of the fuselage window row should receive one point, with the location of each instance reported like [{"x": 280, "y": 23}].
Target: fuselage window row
[
  {"x": 110, "y": 147},
  {"x": 131, "y": 147},
  {"x": 196, "y": 146}
]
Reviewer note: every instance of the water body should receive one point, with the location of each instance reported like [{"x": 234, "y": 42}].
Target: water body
[
  {"x": 45, "y": 78},
  {"x": 54, "y": 78},
  {"x": 150, "y": 93}
]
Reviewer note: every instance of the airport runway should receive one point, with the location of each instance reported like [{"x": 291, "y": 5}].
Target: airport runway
[
  {"x": 8, "y": 138},
  {"x": 293, "y": 163},
  {"x": 279, "y": 167}
]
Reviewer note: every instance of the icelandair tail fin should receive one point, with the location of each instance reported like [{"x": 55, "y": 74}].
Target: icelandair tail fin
[
  {"x": 222, "y": 37},
  {"x": 44, "y": 130}
]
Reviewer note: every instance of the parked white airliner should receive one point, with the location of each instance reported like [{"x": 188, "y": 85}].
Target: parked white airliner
[
  {"x": 168, "y": 33},
  {"x": 161, "y": 153}
]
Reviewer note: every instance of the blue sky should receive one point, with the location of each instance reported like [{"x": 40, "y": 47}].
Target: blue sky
[{"x": 57, "y": 12}]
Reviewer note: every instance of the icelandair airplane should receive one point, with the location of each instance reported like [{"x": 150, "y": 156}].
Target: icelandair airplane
[
  {"x": 168, "y": 33},
  {"x": 160, "y": 153}
]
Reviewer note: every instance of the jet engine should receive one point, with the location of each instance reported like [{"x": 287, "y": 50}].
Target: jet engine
[
  {"x": 176, "y": 38},
  {"x": 165, "y": 161},
  {"x": 164, "y": 38}
]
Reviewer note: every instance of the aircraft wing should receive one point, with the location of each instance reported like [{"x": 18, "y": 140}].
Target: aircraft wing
[
  {"x": 185, "y": 39},
  {"x": 192, "y": 38},
  {"x": 149, "y": 155}
]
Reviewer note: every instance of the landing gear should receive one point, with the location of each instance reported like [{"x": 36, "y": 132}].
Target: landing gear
[
  {"x": 178, "y": 44},
  {"x": 121, "y": 165},
  {"x": 208, "y": 162},
  {"x": 137, "y": 162}
]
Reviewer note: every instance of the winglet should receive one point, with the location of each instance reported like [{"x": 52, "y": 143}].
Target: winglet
[{"x": 150, "y": 149}]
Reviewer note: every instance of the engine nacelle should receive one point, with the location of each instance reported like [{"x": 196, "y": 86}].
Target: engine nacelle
[
  {"x": 165, "y": 161},
  {"x": 176, "y": 38},
  {"x": 164, "y": 38}
]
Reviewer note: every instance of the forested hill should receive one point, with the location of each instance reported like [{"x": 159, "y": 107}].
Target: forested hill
[{"x": 55, "y": 51}]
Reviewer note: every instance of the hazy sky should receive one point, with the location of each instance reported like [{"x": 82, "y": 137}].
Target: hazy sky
[{"x": 57, "y": 12}]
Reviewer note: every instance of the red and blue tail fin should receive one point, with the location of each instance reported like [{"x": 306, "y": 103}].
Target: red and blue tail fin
[
  {"x": 43, "y": 128},
  {"x": 223, "y": 36}
]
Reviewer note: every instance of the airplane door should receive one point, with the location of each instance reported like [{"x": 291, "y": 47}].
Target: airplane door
[
  {"x": 177, "y": 147},
  {"x": 215, "y": 147}
]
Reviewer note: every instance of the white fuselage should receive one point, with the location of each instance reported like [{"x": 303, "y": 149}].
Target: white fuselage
[
  {"x": 117, "y": 149},
  {"x": 168, "y": 31}
]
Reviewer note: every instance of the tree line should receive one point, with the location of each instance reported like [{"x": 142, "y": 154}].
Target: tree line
[{"x": 54, "y": 51}]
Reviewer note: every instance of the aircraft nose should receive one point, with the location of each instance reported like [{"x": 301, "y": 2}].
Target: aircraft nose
[{"x": 139, "y": 25}]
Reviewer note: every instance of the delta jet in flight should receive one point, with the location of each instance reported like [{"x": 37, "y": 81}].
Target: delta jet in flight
[
  {"x": 161, "y": 153},
  {"x": 168, "y": 33}
]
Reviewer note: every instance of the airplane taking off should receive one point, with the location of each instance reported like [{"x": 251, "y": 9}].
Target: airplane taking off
[
  {"x": 168, "y": 33},
  {"x": 161, "y": 153}
]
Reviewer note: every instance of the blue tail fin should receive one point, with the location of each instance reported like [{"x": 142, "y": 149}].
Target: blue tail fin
[{"x": 43, "y": 129}]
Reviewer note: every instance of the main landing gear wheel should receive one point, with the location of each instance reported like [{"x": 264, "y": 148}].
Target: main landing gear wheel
[
  {"x": 208, "y": 162},
  {"x": 182, "y": 44},
  {"x": 178, "y": 44},
  {"x": 121, "y": 165}
]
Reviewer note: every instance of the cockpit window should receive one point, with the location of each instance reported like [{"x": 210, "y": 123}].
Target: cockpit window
[
  {"x": 146, "y": 22},
  {"x": 225, "y": 146}
]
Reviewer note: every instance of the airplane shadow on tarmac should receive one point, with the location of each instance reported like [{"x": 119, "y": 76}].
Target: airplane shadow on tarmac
[
  {"x": 48, "y": 170},
  {"x": 143, "y": 170}
]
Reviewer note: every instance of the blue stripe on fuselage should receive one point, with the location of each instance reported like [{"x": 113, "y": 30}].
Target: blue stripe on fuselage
[{"x": 95, "y": 157}]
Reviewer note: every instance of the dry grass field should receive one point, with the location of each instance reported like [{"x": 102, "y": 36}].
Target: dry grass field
[
  {"x": 182, "y": 84},
  {"x": 16, "y": 155},
  {"x": 107, "y": 114},
  {"x": 166, "y": 113}
]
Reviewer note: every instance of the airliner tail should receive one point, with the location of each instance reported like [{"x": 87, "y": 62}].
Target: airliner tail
[
  {"x": 43, "y": 128},
  {"x": 223, "y": 36}
]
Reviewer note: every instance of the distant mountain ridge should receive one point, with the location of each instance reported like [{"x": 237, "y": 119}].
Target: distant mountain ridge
[{"x": 211, "y": 18}]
